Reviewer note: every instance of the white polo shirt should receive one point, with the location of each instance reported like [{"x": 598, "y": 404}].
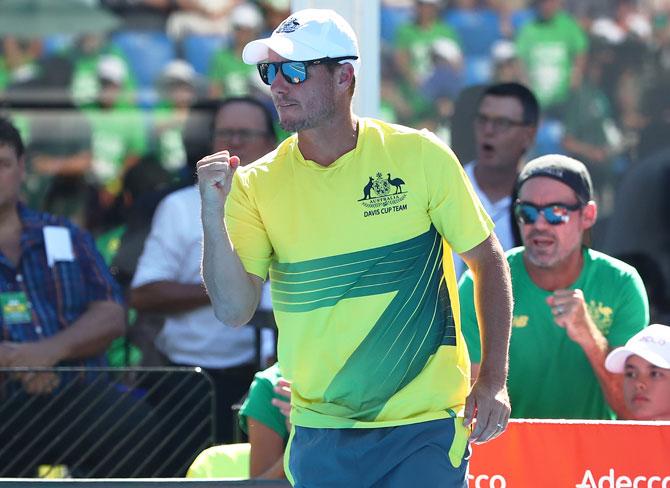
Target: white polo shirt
[
  {"x": 173, "y": 252},
  {"x": 500, "y": 213}
]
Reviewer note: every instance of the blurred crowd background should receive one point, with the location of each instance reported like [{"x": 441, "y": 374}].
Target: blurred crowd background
[{"x": 114, "y": 97}]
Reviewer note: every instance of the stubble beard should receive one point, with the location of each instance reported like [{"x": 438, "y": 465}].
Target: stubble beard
[
  {"x": 322, "y": 110},
  {"x": 548, "y": 261}
]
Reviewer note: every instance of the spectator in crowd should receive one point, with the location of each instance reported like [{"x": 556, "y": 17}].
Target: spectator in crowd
[
  {"x": 313, "y": 215},
  {"x": 442, "y": 85},
  {"x": 413, "y": 44},
  {"x": 140, "y": 15},
  {"x": 19, "y": 59},
  {"x": 591, "y": 132},
  {"x": 571, "y": 304},
  {"x": 60, "y": 307},
  {"x": 274, "y": 11},
  {"x": 168, "y": 280},
  {"x": 506, "y": 64},
  {"x": 228, "y": 75},
  {"x": 623, "y": 22},
  {"x": 205, "y": 17},
  {"x": 178, "y": 85},
  {"x": 89, "y": 52},
  {"x": 552, "y": 49},
  {"x": 118, "y": 133},
  {"x": 645, "y": 362},
  {"x": 264, "y": 416},
  {"x": 586, "y": 11},
  {"x": 505, "y": 128}
]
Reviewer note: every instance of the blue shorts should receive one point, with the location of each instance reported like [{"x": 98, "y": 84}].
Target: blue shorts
[{"x": 426, "y": 455}]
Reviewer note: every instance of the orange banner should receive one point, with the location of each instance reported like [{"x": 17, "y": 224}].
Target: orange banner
[{"x": 574, "y": 454}]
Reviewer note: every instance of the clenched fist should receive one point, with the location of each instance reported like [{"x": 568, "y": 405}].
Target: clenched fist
[{"x": 215, "y": 175}]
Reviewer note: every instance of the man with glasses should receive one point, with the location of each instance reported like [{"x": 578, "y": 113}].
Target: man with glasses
[
  {"x": 572, "y": 304},
  {"x": 355, "y": 220},
  {"x": 505, "y": 127},
  {"x": 168, "y": 281}
]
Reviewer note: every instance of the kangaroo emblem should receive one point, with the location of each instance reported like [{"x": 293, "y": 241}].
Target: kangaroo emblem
[{"x": 366, "y": 190}]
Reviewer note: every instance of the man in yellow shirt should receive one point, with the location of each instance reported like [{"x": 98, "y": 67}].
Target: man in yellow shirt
[{"x": 355, "y": 221}]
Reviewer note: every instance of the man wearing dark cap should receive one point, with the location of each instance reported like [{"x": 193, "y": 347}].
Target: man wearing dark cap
[{"x": 572, "y": 304}]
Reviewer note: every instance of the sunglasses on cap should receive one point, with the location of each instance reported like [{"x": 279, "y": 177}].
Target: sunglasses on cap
[
  {"x": 554, "y": 213},
  {"x": 294, "y": 72}
]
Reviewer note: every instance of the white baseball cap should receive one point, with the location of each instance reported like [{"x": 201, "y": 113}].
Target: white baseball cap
[
  {"x": 111, "y": 68},
  {"x": 651, "y": 343},
  {"x": 178, "y": 70},
  {"x": 305, "y": 35}
]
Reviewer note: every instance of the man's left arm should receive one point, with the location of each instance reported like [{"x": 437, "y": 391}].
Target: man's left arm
[{"x": 488, "y": 401}]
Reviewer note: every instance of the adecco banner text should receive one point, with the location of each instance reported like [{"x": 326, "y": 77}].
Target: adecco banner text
[{"x": 574, "y": 454}]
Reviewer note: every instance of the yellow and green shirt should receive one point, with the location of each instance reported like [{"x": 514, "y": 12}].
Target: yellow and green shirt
[{"x": 363, "y": 286}]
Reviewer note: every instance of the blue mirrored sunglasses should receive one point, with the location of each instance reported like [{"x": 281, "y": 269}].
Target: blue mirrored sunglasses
[
  {"x": 554, "y": 213},
  {"x": 293, "y": 72}
]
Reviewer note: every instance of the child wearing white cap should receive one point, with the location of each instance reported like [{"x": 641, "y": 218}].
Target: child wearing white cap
[{"x": 645, "y": 363}]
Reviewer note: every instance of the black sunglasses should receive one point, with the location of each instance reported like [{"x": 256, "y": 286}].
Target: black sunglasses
[
  {"x": 293, "y": 72},
  {"x": 554, "y": 213}
]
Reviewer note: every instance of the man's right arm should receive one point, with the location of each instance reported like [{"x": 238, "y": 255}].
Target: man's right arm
[
  {"x": 234, "y": 293},
  {"x": 488, "y": 401}
]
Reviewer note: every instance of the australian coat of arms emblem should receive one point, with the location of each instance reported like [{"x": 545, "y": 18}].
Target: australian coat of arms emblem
[{"x": 382, "y": 191}]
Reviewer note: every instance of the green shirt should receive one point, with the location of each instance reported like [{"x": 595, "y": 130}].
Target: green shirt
[
  {"x": 116, "y": 135},
  {"x": 85, "y": 85},
  {"x": 548, "y": 49},
  {"x": 120, "y": 352},
  {"x": 166, "y": 139},
  {"x": 418, "y": 41},
  {"x": 549, "y": 374},
  {"x": 4, "y": 74},
  {"x": 258, "y": 404}
]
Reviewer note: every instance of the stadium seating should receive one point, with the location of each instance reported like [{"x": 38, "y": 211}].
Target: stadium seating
[
  {"x": 477, "y": 30},
  {"x": 390, "y": 18},
  {"x": 147, "y": 53},
  {"x": 198, "y": 50},
  {"x": 477, "y": 69}
]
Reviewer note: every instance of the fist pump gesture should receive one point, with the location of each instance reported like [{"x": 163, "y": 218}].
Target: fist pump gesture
[{"x": 215, "y": 174}]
